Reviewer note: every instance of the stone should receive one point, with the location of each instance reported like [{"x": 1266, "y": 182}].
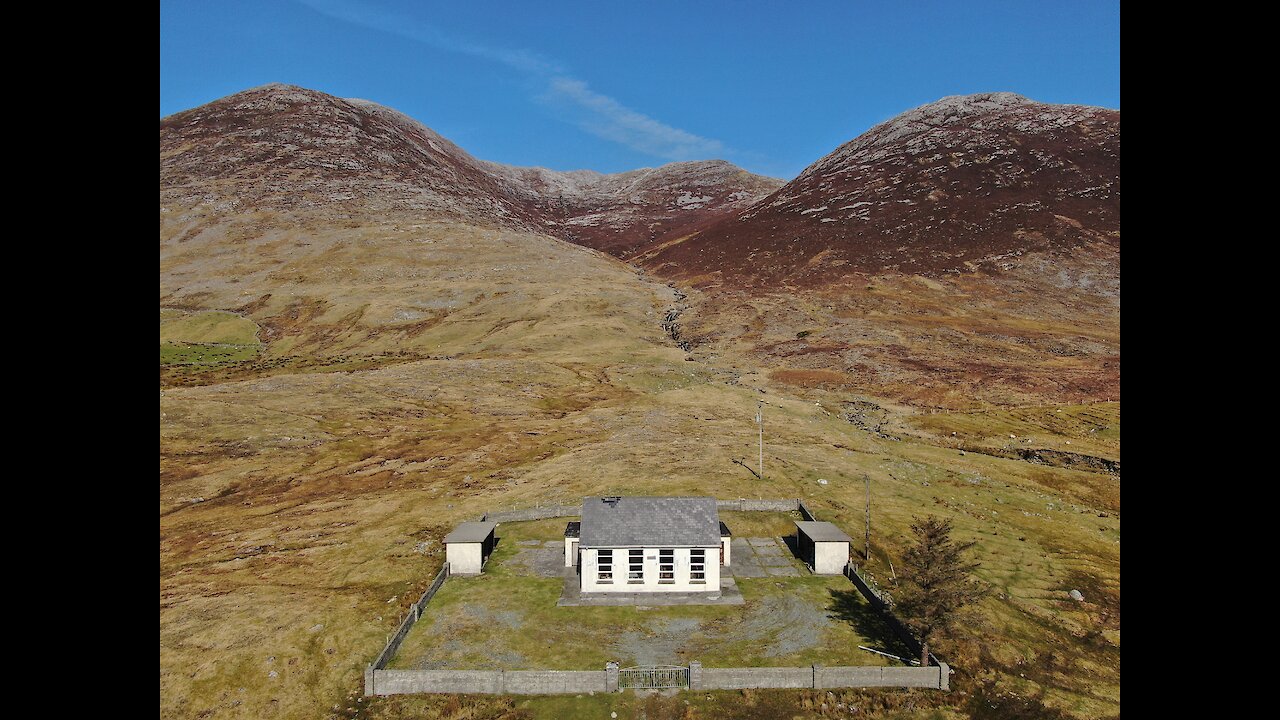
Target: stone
[
  {"x": 273, "y": 674},
  {"x": 1076, "y": 595}
]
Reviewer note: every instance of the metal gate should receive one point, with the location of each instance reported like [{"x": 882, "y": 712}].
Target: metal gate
[{"x": 653, "y": 677}]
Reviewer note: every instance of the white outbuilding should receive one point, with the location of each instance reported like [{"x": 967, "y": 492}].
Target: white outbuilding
[
  {"x": 823, "y": 546},
  {"x": 468, "y": 547},
  {"x": 648, "y": 545}
]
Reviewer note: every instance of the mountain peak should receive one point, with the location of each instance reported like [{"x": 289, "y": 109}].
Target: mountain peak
[{"x": 967, "y": 181}]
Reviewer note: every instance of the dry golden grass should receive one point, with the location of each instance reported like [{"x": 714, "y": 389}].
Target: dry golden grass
[{"x": 300, "y": 513}]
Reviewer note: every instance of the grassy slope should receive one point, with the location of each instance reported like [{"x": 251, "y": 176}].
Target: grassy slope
[
  {"x": 206, "y": 327},
  {"x": 301, "y": 512},
  {"x": 206, "y": 338}
]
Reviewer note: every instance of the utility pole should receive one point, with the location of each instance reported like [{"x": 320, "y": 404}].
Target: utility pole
[
  {"x": 867, "y": 478},
  {"x": 760, "y": 423}
]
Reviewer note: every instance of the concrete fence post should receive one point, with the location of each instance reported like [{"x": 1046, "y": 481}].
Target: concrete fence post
[
  {"x": 695, "y": 675},
  {"x": 369, "y": 689},
  {"x": 611, "y": 674}
]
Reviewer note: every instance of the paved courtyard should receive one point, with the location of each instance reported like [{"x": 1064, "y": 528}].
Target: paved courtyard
[{"x": 763, "y": 557}]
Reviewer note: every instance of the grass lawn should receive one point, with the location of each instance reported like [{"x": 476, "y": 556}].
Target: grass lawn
[{"x": 507, "y": 618}]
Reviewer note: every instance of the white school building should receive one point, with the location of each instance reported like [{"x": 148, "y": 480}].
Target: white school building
[{"x": 648, "y": 545}]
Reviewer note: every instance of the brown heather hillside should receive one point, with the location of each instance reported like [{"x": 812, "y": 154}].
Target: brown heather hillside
[
  {"x": 285, "y": 147},
  {"x": 964, "y": 183},
  {"x": 368, "y": 336},
  {"x": 967, "y": 251}
]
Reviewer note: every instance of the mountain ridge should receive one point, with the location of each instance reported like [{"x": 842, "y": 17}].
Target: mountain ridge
[{"x": 285, "y": 146}]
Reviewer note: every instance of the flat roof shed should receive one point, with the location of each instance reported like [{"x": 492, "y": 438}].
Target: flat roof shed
[
  {"x": 471, "y": 532},
  {"x": 823, "y": 531},
  {"x": 469, "y": 546},
  {"x": 823, "y": 546}
]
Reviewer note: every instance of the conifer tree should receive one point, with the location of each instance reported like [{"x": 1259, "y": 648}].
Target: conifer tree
[{"x": 935, "y": 582}]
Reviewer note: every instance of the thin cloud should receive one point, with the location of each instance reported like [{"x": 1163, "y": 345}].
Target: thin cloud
[
  {"x": 595, "y": 113},
  {"x": 607, "y": 118}
]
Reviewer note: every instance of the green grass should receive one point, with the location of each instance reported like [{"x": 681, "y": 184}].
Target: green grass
[
  {"x": 210, "y": 337},
  {"x": 760, "y": 524},
  {"x": 172, "y": 353},
  {"x": 208, "y": 326}
]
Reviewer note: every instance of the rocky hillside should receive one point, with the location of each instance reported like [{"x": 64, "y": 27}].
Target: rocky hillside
[
  {"x": 285, "y": 147},
  {"x": 958, "y": 184},
  {"x": 624, "y": 212}
]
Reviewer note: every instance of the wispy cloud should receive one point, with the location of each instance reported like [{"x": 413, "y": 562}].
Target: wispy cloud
[
  {"x": 595, "y": 113},
  {"x": 605, "y": 117}
]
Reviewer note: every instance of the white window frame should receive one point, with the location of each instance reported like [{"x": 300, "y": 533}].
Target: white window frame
[
  {"x": 697, "y": 566},
  {"x": 604, "y": 567},
  {"x": 635, "y": 566}
]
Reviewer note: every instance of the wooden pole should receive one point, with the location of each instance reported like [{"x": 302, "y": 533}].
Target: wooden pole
[{"x": 760, "y": 422}]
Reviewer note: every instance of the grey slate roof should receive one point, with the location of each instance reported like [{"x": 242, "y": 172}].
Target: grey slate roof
[
  {"x": 650, "y": 522},
  {"x": 470, "y": 532},
  {"x": 823, "y": 532}
]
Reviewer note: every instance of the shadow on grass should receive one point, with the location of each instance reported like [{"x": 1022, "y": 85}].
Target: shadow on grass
[{"x": 849, "y": 606}]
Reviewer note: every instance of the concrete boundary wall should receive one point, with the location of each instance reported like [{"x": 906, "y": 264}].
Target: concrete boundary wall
[
  {"x": 573, "y": 682},
  {"x": 746, "y": 505},
  {"x": 555, "y": 511},
  {"x": 393, "y": 642},
  {"x": 934, "y": 676},
  {"x": 487, "y": 682},
  {"x": 533, "y": 513},
  {"x": 765, "y": 677}
]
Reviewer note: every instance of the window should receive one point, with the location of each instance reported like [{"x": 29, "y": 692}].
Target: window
[
  {"x": 604, "y": 566},
  {"x": 666, "y": 566},
  {"x": 635, "y": 566},
  {"x": 697, "y": 565}
]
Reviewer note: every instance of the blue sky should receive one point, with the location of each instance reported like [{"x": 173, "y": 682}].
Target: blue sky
[{"x": 613, "y": 86}]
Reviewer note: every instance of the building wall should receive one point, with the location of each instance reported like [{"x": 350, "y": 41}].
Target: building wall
[
  {"x": 829, "y": 558},
  {"x": 570, "y": 552},
  {"x": 726, "y": 546},
  {"x": 681, "y": 581},
  {"x": 465, "y": 558}
]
